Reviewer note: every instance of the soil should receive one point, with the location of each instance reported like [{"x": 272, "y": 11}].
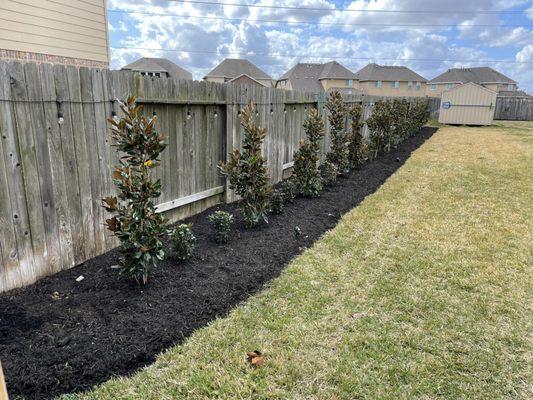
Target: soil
[{"x": 60, "y": 335}]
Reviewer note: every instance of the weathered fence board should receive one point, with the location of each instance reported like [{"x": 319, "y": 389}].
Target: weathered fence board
[
  {"x": 514, "y": 108},
  {"x": 53, "y": 175}
]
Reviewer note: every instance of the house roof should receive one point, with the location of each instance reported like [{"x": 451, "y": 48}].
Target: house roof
[
  {"x": 148, "y": 64},
  {"x": 233, "y": 67},
  {"x": 334, "y": 70},
  {"x": 475, "y": 74},
  {"x": 375, "y": 72},
  {"x": 307, "y": 76}
]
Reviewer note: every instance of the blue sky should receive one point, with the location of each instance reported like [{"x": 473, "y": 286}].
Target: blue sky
[{"x": 353, "y": 38}]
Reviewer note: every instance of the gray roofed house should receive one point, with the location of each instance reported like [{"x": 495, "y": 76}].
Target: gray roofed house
[
  {"x": 158, "y": 67},
  {"x": 484, "y": 76},
  {"x": 391, "y": 80},
  {"x": 232, "y": 68},
  {"x": 376, "y": 72},
  {"x": 309, "y": 77}
]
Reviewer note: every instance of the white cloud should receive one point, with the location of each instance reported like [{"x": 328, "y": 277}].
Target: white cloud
[{"x": 276, "y": 47}]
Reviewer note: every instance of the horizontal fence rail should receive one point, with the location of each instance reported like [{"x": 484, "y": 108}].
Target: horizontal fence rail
[{"x": 57, "y": 155}]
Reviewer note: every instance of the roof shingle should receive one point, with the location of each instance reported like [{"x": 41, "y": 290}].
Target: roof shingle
[
  {"x": 148, "y": 64},
  {"x": 375, "y": 72},
  {"x": 474, "y": 74},
  {"x": 232, "y": 67}
]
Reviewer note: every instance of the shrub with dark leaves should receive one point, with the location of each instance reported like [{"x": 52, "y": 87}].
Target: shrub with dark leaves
[
  {"x": 380, "y": 127},
  {"x": 306, "y": 173},
  {"x": 247, "y": 172},
  {"x": 289, "y": 189},
  {"x": 277, "y": 202},
  {"x": 329, "y": 173},
  {"x": 339, "y": 152},
  {"x": 222, "y": 222},
  {"x": 183, "y": 241},
  {"x": 356, "y": 151},
  {"x": 135, "y": 221},
  {"x": 419, "y": 115}
]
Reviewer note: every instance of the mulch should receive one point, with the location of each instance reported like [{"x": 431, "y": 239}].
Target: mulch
[{"x": 60, "y": 335}]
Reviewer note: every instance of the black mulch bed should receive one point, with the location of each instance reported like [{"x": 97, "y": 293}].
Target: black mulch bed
[{"x": 105, "y": 325}]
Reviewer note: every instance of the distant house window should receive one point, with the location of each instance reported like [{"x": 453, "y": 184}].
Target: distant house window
[
  {"x": 510, "y": 86},
  {"x": 349, "y": 82},
  {"x": 449, "y": 85},
  {"x": 410, "y": 85},
  {"x": 396, "y": 84},
  {"x": 378, "y": 84},
  {"x": 433, "y": 87},
  {"x": 418, "y": 86},
  {"x": 157, "y": 74}
]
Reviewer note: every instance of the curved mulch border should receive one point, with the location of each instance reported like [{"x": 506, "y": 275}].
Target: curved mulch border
[{"x": 105, "y": 325}]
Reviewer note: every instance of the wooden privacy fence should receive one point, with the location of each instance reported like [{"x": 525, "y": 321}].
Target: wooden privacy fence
[
  {"x": 56, "y": 155},
  {"x": 514, "y": 108}
]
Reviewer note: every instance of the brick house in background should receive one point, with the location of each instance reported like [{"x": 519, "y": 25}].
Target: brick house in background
[
  {"x": 238, "y": 70},
  {"x": 391, "y": 80},
  {"x": 309, "y": 77},
  {"x": 53, "y": 32},
  {"x": 484, "y": 76},
  {"x": 158, "y": 67}
]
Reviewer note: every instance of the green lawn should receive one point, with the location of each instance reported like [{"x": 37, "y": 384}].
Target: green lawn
[{"x": 424, "y": 291}]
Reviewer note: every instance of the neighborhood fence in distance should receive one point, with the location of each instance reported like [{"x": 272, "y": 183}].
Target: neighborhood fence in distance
[
  {"x": 56, "y": 155},
  {"x": 514, "y": 108}
]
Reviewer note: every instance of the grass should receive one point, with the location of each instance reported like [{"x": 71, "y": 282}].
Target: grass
[{"x": 424, "y": 291}]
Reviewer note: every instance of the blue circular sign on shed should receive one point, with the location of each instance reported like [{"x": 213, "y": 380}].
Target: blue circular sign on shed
[{"x": 446, "y": 105}]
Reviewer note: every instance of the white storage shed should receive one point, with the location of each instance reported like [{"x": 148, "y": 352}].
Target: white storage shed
[{"x": 467, "y": 104}]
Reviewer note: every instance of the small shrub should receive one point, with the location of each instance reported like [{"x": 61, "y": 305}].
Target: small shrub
[
  {"x": 276, "y": 202},
  {"x": 339, "y": 153},
  {"x": 288, "y": 189},
  {"x": 183, "y": 241},
  {"x": 247, "y": 172},
  {"x": 135, "y": 222},
  {"x": 329, "y": 173},
  {"x": 400, "y": 121},
  {"x": 419, "y": 115},
  {"x": 222, "y": 221},
  {"x": 306, "y": 173},
  {"x": 356, "y": 139}
]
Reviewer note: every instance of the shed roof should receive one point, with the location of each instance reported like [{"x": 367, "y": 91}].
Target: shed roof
[
  {"x": 234, "y": 67},
  {"x": 474, "y": 74},
  {"x": 376, "y": 72},
  {"x": 469, "y": 84},
  {"x": 149, "y": 64},
  {"x": 307, "y": 76}
]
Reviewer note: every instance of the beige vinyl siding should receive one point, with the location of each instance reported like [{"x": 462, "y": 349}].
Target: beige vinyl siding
[
  {"x": 66, "y": 28},
  {"x": 471, "y": 104},
  {"x": 338, "y": 83},
  {"x": 387, "y": 89}
]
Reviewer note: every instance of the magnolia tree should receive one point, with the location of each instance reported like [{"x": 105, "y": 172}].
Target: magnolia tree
[
  {"x": 339, "y": 153},
  {"x": 357, "y": 143},
  {"x": 306, "y": 173},
  {"x": 247, "y": 172},
  {"x": 135, "y": 221}
]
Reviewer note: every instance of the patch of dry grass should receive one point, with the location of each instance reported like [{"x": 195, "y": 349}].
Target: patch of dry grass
[{"x": 423, "y": 291}]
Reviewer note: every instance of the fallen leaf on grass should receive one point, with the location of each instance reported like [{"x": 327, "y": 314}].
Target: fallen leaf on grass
[{"x": 255, "y": 358}]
